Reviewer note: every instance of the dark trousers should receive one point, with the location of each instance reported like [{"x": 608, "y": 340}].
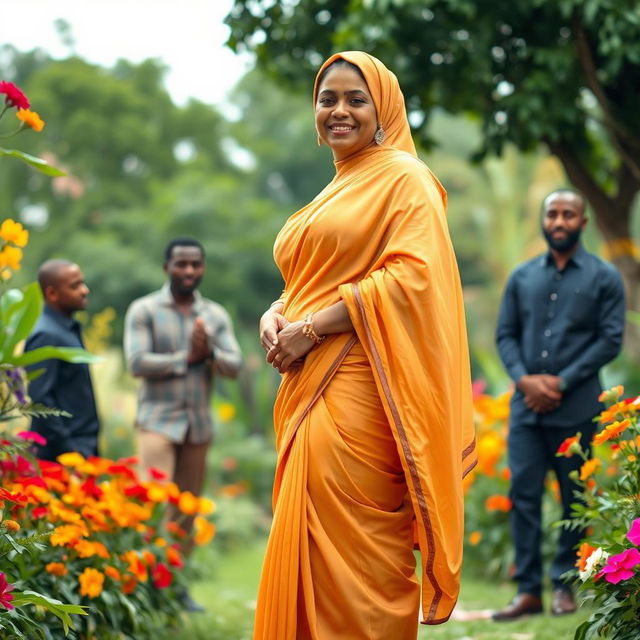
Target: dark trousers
[
  {"x": 86, "y": 445},
  {"x": 532, "y": 452}
]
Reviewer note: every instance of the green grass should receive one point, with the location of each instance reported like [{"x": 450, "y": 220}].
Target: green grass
[{"x": 228, "y": 584}]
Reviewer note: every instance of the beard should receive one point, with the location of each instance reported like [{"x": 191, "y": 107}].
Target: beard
[{"x": 564, "y": 244}]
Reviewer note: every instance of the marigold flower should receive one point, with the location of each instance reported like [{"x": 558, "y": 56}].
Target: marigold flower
[
  {"x": 160, "y": 542},
  {"x": 10, "y": 257},
  {"x": 5, "y": 596},
  {"x": 72, "y": 459},
  {"x": 88, "y": 549},
  {"x": 91, "y": 581},
  {"x": 113, "y": 573},
  {"x": 13, "y": 232},
  {"x": 11, "y": 525},
  {"x": 226, "y": 412},
  {"x": 620, "y": 567},
  {"x": 188, "y": 503},
  {"x": 31, "y": 119},
  {"x": 611, "y": 395},
  {"x": 204, "y": 530},
  {"x": 174, "y": 558},
  {"x": 129, "y": 584},
  {"x": 569, "y": 446},
  {"x": 589, "y": 468},
  {"x": 584, "y": 552},
  {"x": 161, "y": 576},
  {"x": 206, "y": 506},
  {"x": 67, "y": 534},
  {"x": 149, "y": 558},
  {"x": 14, "y": 97},
  {"x": 498, "y": 503},
  {"x": 491, "y": 447},
  {"x": 136, "y": 567},
  {"x": 612, "y": 430},
  {"x": 57, "y": 569},
  {"x": 474, "y": 538}
]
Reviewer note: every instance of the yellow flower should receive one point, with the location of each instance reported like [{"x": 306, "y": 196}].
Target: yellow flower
[
  {"x": 31, "y": 119},
  {"x": 67, "y": 534},
  {"x": 14, "y": 232},
  {"x": 91, "y": 581},
  {"x": 160, "y": 542},
  {"x": 10, "y": 257},
  {"x": 11, "y": 525},
  {"x": 57, "y": 569},
  {"x": 72, "y": 459},
  {"x": 206, "y": 506},
  {"x": 87, "y": 549},
  {"x": 611, "y": 431},
  {"x": 226, "y": 412},
  {"x": 589, "y": 468},
  {"x": 204, "y": 530},
  {"x": 474, "y": 538}
]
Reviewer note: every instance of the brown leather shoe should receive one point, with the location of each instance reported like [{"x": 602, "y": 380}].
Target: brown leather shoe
[
  {"x": 524, "y": 604},
  {"x": 562, "y": 602}
]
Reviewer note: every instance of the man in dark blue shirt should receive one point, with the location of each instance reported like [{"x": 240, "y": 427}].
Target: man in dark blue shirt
[
  {"x": 561, "y": 320},
  {"x": 63, "y": 385}
]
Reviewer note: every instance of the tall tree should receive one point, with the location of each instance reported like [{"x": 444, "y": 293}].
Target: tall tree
[{"x": 564, "y": 73}]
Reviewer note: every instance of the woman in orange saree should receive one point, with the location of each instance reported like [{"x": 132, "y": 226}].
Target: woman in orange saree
[{"x": 373, "y": 416}]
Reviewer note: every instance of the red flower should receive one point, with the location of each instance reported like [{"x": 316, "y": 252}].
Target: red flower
[
  {"x": 156, "y": 474},
  {"x": 5, "y": 596},
  {"x": 14, "y": 97},
  {"x": 19, "y": 498},
  {"x": 39, "y": 512},
  {"x": 569, "y": 446},
  {"x": 161, "y": 575}
]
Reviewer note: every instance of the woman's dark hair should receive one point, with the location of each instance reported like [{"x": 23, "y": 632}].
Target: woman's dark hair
[{"x": 340, "y": 62}]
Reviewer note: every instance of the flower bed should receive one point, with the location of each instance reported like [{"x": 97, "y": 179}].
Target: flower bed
[{"x": 90, "y": 533}]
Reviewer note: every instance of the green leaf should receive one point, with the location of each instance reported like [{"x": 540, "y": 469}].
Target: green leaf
[
  {"x": 36, "y": 163},
  {"x": 52, "y": 605},
  {"x": 21, "y": 317},
  {"x": 69, "y": 354}
]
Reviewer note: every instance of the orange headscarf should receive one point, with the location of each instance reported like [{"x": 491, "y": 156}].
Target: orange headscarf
[{"x": 387, "y": 97}]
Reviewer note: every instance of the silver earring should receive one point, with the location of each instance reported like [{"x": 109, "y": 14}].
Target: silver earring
[{"x": 379, "y": 135}]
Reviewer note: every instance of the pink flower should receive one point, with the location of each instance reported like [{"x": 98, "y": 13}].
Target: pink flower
[
  {"x": 5, "y": 596},
  {"x": 620, "y": 567},
  {"x": 33, "y": 437},
  {"x": 14, "y": 97},
  {"x": 634, "y": 533}
]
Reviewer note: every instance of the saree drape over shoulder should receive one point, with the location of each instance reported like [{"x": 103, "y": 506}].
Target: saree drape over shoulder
[{"x": 374, "y": 433}]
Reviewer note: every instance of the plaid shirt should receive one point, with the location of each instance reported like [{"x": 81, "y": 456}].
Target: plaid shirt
[{"x": 174, "y": 396}]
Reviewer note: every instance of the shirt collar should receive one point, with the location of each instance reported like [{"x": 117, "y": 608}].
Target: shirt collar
[
  {"x": 577, "y": 258},
  {"x": 166, "y": 298},
  {"x": 66, "y": 321}
]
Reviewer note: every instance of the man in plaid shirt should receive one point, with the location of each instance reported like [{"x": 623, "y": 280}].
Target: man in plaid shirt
[{"x": 176, "y": 341}]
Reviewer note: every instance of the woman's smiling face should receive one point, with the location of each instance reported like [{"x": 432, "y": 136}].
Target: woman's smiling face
[{"x": 346, "y": 117}]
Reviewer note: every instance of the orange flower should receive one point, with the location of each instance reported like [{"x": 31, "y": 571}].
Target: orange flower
[
  {"x": 87, "y": 549},
  {"x": 204, "y": 530},
  {"x": 610, "y": 431},
  {"x": 206, "y": 506},
  {"x": 66, "y": 534},
  {"x": 57, "y": 569},
  {"x": 611, "y": 395},
  {"x": 13, "y": 232},
  {"x": 188, "y": 503},
  {"x": 491, "y": 447},
  {"x": 31, "y": 119},
  {"x": 498, "y": 503},
  {"x": 11, "y": 525},
  {"x": 129, "y": 584},
  {"x": 91, "y": 581},
  {"x": 474, "y": 538},
  {"x": 174, "y": 558},
  {"x": 589, "y": 468},
  {"x": 584, "y": 552},
  {"x": 160, "y": 542},
  {"x": 149, "y": 558},
  {"x": 112, "y": 573},
  {"x": 135, "y": 566}
]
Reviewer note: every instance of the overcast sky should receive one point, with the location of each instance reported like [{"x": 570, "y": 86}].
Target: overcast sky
[{"x": 188, "y": 35}]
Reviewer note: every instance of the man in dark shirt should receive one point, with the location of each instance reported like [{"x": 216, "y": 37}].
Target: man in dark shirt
[
  {"x": 63, "y": 385},
  {"x": 561, "y": 320}
]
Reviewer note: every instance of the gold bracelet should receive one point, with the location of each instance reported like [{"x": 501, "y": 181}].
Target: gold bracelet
[{"x": 307, "y": 330}]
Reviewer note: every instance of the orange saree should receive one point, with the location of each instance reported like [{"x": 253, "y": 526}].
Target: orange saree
[{"x": 374, "y": 433}]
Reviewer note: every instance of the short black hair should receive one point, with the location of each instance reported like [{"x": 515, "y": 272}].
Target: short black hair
[
  {"x": 181, "y": 242},
  {"x": 49, "y": 272},
  {"x": 340, "y": 62},
  {"x": 567, "y": 191}
]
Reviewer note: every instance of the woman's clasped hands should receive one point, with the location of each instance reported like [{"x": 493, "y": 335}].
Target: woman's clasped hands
[{"x": 284, "y": 342}]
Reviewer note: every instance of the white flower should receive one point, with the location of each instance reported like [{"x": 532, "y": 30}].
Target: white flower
[{"x": 595, "y": 558}]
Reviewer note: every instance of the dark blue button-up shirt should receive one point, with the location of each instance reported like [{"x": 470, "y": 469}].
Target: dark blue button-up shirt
[
  {"x": 566, "y": 323},
  {"x": 63, "y": 385}
]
